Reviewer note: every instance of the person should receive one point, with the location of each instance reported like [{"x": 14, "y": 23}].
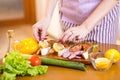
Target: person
[{"x": 83, "y": 20}]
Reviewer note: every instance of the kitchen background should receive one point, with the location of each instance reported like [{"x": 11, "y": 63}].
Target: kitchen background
[
  {"x": 12, "y": 7},
  {"x": 12, "y": 10}
]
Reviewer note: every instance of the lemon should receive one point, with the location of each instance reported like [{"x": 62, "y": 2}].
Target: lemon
[
  {"x": 58, "y": 47},
  {"x": 112, "y": 54},
  {"x": 102, "y": 63},
  {"x": 43, "y": 44}
]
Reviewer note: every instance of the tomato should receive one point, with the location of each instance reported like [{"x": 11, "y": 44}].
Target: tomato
[{"x": 35, "y": 60}]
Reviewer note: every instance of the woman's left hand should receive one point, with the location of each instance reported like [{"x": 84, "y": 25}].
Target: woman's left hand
[{"x": 75, "y": 34}]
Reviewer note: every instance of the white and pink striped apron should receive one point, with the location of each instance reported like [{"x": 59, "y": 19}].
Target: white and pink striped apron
[{"x": 74, "y": 12}]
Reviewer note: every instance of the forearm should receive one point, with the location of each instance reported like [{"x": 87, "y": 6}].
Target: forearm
[{"x": 99, "y": 13}]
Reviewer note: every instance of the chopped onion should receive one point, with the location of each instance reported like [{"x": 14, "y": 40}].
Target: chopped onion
[
  {"x": 44, "y": 51},
  {"x": 85, "y": 55}
]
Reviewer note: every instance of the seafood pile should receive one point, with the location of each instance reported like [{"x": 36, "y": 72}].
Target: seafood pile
[
  {"x": 76, "y": 51},
  {"x": 66, "y": 50}
]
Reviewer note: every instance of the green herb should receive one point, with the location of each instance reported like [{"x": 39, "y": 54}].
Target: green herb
[{"x": 95, "y": 47}]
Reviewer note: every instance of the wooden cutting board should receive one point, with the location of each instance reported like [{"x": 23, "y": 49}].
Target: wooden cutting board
[
  {"x": 89, "y": 48},
  {"x": 85, "y": 61}
]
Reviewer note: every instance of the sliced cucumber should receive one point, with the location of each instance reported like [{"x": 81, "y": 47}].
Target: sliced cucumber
[{"x": 62, "y": 63}]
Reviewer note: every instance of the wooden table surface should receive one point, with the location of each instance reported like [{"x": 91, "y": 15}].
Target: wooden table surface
[{"x": 60, "y": 73}]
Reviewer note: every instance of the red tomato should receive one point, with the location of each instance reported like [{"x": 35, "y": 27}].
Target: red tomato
[{"x": 35, "y": 60}]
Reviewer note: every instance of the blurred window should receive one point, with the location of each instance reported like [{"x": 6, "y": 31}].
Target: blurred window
[{"x": 11, "y": 9}]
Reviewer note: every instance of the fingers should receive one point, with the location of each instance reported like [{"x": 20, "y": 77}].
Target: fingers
[
  {"x": 43, "y": 35},
  {"x": 39, "y": 33},
  {"x": 36, "y": 33},
  {"x": 65, "y": 36},
  {"x": 72, "y": 36}
]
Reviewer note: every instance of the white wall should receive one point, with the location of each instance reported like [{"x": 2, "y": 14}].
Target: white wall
[{"x": 40, "y": 8}]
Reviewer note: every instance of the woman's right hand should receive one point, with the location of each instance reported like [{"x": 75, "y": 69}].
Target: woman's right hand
[{"x": 40, "y": 29}]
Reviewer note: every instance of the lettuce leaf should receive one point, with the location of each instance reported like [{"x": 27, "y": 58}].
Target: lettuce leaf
[
  {"x": 16, "y": 64},
  {"x": 1, "y": 68},
  {"x": 33, "y": 71},
  {"x": 8, "y": 76}
]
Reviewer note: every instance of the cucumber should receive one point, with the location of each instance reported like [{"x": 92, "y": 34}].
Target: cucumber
[{"x": 62, "y": 63}]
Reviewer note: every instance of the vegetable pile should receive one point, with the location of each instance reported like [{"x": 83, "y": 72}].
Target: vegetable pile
[{"x": 15, "y": 64}]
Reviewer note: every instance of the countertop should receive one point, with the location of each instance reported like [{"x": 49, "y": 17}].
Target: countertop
[{"x": 60, "y": 73}]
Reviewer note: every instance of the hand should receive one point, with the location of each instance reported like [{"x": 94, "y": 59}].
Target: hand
[
  {"x": 75, "y": 34},
  {"x": 40, "y": 29}
]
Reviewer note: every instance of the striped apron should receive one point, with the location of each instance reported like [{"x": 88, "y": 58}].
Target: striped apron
[{"x": 74, "y": 12}]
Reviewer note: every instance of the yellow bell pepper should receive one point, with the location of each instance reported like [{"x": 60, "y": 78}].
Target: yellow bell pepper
[{"x": 27, "y": 46}]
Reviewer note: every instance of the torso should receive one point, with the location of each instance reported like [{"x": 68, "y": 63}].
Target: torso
[{"x": 76, "y": 11}]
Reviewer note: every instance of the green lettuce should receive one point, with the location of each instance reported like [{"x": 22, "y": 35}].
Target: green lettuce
[
  {"x": 33, "y": 71},
  {"x": 1, "y": 68},
  {"x": 15, "y": 64},
  {"x": 8, "y": 76}
]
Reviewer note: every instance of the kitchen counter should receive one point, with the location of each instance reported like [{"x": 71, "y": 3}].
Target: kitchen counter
[{"x": 60, "y": 73}]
